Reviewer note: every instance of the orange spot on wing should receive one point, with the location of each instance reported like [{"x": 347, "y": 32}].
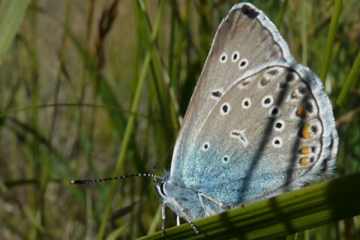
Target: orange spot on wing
[
  {"x": 300, "y": 112},
  {"x": 305, "y": 161},
  {"x": 305, "y": 150},
  {"x": 306, "y": 132}
]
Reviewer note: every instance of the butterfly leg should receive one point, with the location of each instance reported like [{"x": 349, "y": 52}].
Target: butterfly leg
[
  {"x": 211, "y": 205},
  {"x": 185, "y": 216},
  {"x": 163, "y": 217}
]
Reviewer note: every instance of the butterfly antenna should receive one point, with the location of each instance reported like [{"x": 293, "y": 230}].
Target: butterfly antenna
[{"x": 119, "y": 178}]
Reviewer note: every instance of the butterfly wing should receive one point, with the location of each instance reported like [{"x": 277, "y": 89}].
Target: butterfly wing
[
  {"x": 245, "y": 40},
  {"x": 253, "y": 128},
  {"x": 270, "y": 131}
]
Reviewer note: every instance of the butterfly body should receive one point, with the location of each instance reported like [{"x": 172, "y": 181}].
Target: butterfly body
[{"x": 258, "y": 123}]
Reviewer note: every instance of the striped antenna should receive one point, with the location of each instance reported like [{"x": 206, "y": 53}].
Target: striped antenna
[{"x": 119, "y": 178}]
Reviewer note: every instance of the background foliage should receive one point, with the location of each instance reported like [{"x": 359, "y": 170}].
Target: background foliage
[{"x": 95, "y": 88}]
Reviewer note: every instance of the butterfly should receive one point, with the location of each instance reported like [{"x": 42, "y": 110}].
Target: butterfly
[{"x": 258, "y": 123}]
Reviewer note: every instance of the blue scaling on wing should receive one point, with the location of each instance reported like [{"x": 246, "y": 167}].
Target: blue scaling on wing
[{"x": 258, "y": 123}]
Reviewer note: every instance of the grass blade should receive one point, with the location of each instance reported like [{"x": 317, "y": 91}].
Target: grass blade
[
  {"x": 127, "y": 137},
  {"x": 12, "y": 14},
  {"x": 331, "y": 38},
  {"x": 280, "y": 216},
  {"x": 160, "y": 73},
  {"x": 350, "y": 82}
]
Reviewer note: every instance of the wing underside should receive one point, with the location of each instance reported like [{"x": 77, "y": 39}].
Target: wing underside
[
  {"x": 245, "y": 40},
  {"x": 257, "y": 121},
  {"x": 267, "y": 132}
]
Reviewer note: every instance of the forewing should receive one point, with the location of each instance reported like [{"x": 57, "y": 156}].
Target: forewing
[{"x": 245, "y": 40}]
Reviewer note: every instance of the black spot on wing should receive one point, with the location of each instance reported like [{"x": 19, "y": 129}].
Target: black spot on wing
[
  {"x": 216, "y": 93},
  {"x": 249, "y": 11}
]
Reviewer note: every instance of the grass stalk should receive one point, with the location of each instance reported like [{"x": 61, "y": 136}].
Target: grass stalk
[
  {"x": 124, "y": 145},
  {"x": 350, "y": 82},
  {"x": 280, "y": 216},
  {"x": 328, "y": 51},
  {"x": 12, "y": 14},
  {"x": 128, "y": 132}
]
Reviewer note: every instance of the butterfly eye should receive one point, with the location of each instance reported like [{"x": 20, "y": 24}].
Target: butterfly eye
[
  {"x": 223, "y": 58},
  {"x": 235, "y": 56},
  {"x": 161, "y": 190},
  {"x": 243, "y": 63}
]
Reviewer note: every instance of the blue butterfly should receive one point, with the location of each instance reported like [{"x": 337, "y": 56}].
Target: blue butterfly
[{"x": 258, "y": 123}]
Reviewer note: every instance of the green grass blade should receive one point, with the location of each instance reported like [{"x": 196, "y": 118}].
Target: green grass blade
[
  {"x": 281, "y": 14},
  {"x": 350, "y": 82},
  {"x": 117, "y": 233},
  {"x": 127, "y": 138},
  {"x": 160, "y": 73},
  {"x": 278, "y": 217},
  {"x": 156, "y": 220},
  {"x": 12, "y": 14},
  {"x": 331, "y": 38},
  {"x": 305, "y": 12}
]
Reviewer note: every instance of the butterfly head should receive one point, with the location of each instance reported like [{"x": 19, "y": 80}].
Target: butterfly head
[{"x": 160, "y": 186}]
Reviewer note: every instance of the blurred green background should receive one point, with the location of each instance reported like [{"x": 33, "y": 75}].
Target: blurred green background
[{"x": 94, "y": 88}]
